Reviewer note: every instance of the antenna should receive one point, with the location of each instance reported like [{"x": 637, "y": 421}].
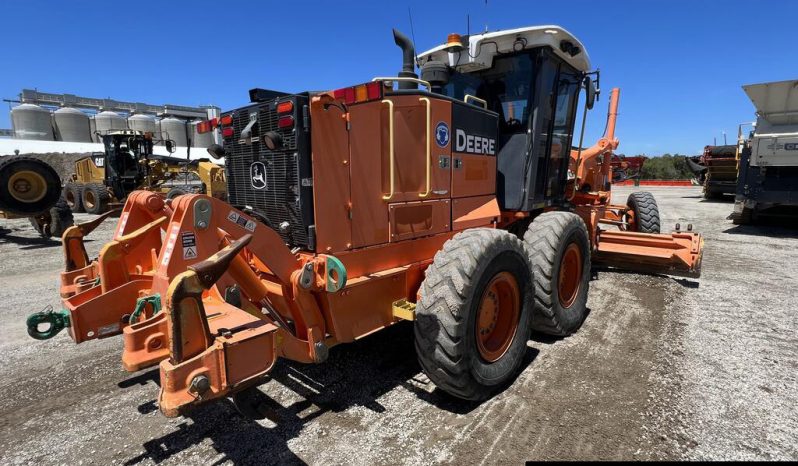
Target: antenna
[
  {"x": 468, "y": 24},
  {"x": 412, "y": 34}
]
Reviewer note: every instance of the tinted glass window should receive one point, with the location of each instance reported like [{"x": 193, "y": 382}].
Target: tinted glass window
[
  {"x": 506, "y": 87},
  {"x": 562, "y": 129}
]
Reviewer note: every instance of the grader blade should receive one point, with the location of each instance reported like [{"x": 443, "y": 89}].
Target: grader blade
[{"x": 678, "y": 253}]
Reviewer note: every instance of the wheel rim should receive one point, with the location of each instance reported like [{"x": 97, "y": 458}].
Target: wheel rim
[
  {"x": 570, "y": 275},
  {"x": 497, "y": 316},
  {"x": 70, "y": 199},
  {"x": 27, "y": 186},
  {"x": 89, "y": 200}
]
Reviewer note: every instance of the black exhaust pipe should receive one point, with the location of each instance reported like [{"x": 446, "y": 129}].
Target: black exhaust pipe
[{"x": 408, "y": 60}]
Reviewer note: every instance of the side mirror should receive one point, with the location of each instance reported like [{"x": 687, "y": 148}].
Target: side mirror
[
  {"x": 170, "y": 146},
  {"x": 590, "y": 92}
]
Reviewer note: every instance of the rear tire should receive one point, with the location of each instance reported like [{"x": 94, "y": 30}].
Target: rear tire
[
  {"x": 472, "y": 321},
  {"x": 559, "y": 250},
  {"x": 645, "y": 211},
  {"x": 95, "y": 198},
  {"x": 73, "y": 195},
  {"x": 28, "y": 186}
]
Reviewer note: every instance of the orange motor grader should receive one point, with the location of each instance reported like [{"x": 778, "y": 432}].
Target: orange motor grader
[{"x": 460, "y": 206}]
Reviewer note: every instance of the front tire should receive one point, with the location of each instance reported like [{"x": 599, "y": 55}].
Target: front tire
[
  {"x": 473, "y": 318},
  {"x": 559, "y": 250},
  {"x": 645, "y": 212}
]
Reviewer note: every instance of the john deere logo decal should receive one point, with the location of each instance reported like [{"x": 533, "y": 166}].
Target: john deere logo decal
[
  {"x": 442, "y": 134},
  {"x": 257, "y": 174}
]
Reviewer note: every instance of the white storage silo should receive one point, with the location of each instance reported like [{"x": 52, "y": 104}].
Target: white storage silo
[
  {"x": 200, "y": 139},
  {"x": 32, "y": 122},
  {"x": 71, "y": 125},
  {"x": 141, "y": 122},
  {"x": 93, "y": 129},
  {"x": 106, "y": 121},
  {"x": 174, "y": 129}
]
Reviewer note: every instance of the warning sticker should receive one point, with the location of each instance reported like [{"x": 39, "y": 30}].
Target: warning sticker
[
  {"x": 170, "y": 245},
  {"x": 121, "y": 226},
  {"x": 241, "y": 221},
  {"x": 189, "y": 242}
]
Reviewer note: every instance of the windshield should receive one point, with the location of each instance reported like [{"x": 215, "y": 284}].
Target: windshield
[{"x": 506, "y": 87}]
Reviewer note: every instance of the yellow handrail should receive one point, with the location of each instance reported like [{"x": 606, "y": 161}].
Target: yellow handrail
[
  {"x": 398, "y": 78},
  {"x": 473, "y": 97},
  {"x": 390, "y": 147},
  {"x": 429, "y": 144}
]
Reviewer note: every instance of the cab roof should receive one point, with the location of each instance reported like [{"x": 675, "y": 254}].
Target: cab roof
[{"x": 483, "y": 47}]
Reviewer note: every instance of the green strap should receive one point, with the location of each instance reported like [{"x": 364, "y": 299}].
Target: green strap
[
  {"x": 57, "y": 321},
  {"x": 141, "y": 304}
]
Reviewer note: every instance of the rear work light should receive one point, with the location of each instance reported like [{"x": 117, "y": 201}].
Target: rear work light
[
  {"x": 285, "y": 122},
  {"x": 207, "y": 126},
  {"x": 361, "y": 93},
  {"x": 285, "y": 107},
  {"x": 204, "y": 127}
]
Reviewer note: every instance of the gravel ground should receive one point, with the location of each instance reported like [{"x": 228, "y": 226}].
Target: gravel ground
[{"x": 663, "y": 368}]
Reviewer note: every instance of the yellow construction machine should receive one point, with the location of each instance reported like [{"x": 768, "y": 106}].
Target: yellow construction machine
[{"x": 104, "y": 179}]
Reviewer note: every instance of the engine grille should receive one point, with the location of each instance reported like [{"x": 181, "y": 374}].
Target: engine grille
[{"x": 287, "y": 209}]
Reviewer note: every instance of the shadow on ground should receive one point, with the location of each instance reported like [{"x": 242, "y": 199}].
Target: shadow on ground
[
  {"x": 356, "y": 374},
  {"x": 26, "y": 242},
  {"x": 774, "y": 228}
]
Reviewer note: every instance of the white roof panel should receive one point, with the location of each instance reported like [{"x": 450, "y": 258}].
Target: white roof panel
[
  {"x": 775, "y": 102},
  {"x": 483, "y": 47}
]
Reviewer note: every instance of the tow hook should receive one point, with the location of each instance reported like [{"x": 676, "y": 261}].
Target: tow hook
[
  {"x": 57, "y": 321},
  {"x": 153, "y": 300}
]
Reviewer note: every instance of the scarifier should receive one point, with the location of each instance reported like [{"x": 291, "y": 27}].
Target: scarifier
[{"x": 460, "y": 206}]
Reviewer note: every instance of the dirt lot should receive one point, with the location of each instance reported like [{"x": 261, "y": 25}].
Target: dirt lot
[{"x": 663, "y": 368}]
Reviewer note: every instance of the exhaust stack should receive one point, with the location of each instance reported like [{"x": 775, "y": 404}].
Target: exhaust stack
[{"x": 408, "y": 59}]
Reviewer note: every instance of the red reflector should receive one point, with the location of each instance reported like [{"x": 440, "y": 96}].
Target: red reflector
[
  {"x": 349, "y": 95},
  {"x": 374, "y": 90},
  {"x": 285, "y": 107},
  {"x": 227, "y": 120},
  {"x": 227, "y": 132},
  {"x": 339, "y": 94},
  {"x": 285, "y": 122}
]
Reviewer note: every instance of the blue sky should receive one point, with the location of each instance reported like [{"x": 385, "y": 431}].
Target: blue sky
[{"x": 679, "y": 64}]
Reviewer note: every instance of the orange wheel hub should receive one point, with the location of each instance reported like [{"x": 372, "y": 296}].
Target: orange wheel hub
[
  {"x": 631, "y": 221},
  {"x": 570, "y": 275},
  {"x": 497, "y": 317}
]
